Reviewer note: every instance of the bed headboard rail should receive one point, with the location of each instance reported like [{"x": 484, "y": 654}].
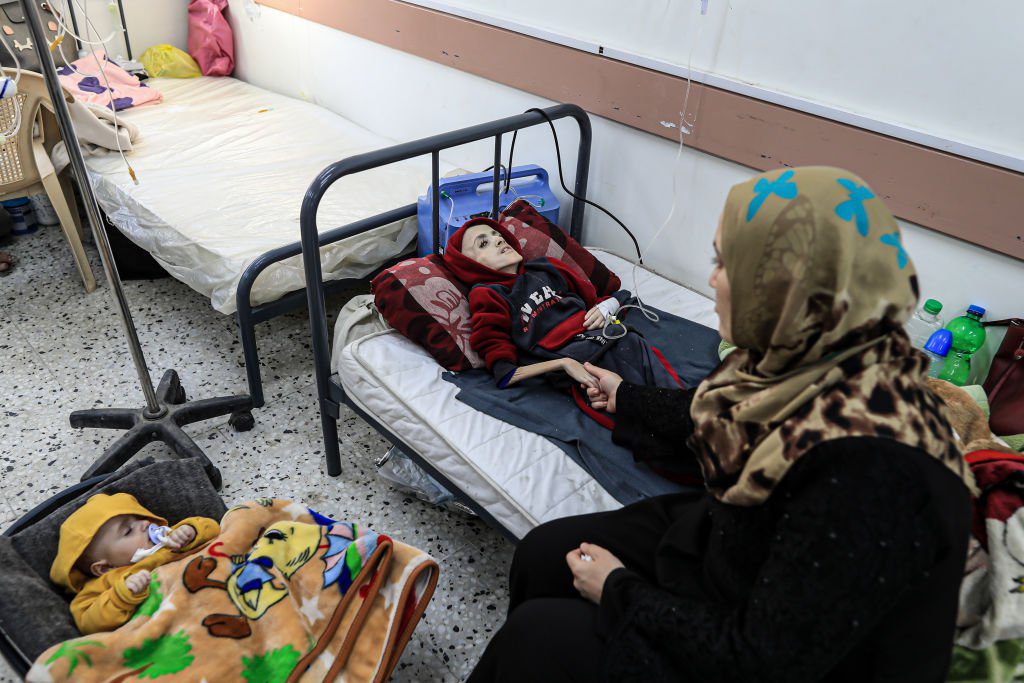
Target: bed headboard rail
[{"x": 312, "y": 239}]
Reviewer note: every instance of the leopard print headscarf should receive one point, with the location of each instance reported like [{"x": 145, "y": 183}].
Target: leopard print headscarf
[{"x": 821, "y": 287}]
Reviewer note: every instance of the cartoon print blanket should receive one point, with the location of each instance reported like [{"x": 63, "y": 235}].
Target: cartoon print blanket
[{"x": 283, "y": 594}]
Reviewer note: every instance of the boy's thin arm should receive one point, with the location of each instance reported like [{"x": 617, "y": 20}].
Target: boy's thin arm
[{"x": 573, "y": 368}]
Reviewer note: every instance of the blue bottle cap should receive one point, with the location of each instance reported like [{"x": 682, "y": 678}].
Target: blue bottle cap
[
  {"x": 939, "y": 342},
  {"x": 976, "y": 310}
]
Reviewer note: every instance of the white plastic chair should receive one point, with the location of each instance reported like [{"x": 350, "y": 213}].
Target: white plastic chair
[{"x": 26, "y": 169}]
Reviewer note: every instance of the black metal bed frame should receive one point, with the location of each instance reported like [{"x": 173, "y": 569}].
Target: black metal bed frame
[
  {"x": 330, "y": 391},
  {"x": 248, "y": 315}
]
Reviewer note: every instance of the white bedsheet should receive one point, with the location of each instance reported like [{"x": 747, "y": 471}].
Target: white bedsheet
[
  {"x": 222, "y": 182},
  {"x": 521, "y": 478}
]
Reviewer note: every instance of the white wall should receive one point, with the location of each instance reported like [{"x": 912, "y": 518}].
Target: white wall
[
  {"x": 404, "y": 97},
  {"x": 948, "y": 68},
  {"x": 150, "y": 22}
]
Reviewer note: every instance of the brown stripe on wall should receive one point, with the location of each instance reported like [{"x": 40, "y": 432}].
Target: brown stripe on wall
[{"x": 968, "y": 199}]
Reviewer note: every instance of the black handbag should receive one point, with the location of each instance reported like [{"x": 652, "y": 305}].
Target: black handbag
[{"x": 15, "y": 32}]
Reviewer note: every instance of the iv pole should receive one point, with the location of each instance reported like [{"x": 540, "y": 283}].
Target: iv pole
[{"x": 166, "y": 409}]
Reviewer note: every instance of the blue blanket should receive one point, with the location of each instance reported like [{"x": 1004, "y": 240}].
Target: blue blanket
[{"x": 536, "y": 406}]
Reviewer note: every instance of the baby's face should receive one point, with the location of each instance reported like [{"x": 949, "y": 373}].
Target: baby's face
[
  {"x": 486, "y": 246},
  {"x": 119, "y": 538}
]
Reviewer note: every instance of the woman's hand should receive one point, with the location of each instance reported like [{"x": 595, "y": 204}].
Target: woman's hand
[
  {"x": 594, "y": 319},
  {"x": 589, "y": 575},
  {"x": 574, "y": 369},
  {"x": 603, "y": 396}
]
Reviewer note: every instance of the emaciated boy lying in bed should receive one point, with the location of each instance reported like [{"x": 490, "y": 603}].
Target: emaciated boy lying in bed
[{"x": 535, "y": 317}]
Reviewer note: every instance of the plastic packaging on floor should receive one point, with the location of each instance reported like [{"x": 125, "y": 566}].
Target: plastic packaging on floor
[{"x": 405, "y": 475}]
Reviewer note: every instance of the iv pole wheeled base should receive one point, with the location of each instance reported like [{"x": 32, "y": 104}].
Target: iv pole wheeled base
[
  {"x": 166, "y": 425},
  {"x": 166, "y": 410}
]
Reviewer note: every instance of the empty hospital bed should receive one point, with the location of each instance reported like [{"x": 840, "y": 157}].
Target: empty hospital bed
[
  {"x": 512, "y": 478},
  {"x": 222, "y": 165}
]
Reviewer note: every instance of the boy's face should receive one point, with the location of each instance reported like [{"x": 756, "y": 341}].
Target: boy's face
[
  {"x": 116, "y": 541},
  {"x": 486, "y": 246}
]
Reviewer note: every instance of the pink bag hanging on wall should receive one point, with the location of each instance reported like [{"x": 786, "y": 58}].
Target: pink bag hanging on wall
[{"x": 210, "y": 41}]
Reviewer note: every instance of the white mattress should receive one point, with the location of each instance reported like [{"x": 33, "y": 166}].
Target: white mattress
[
  {"x": 521, "y": 478},
  {"x": 222, "y": 182}
]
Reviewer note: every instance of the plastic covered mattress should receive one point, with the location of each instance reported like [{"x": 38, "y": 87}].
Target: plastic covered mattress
[
  {"x": 223, "y": 167},
  {"x": 520, "y": 478}
]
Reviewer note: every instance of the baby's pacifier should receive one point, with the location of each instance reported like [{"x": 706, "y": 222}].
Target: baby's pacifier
[{"x": 158, "y": 534}]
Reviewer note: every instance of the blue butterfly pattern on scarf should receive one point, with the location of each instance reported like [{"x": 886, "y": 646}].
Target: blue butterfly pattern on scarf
[
  {"x": 893, "y": 240},
  {"x": 781, "y": 186},
  {"x": 853, "y": 208}
]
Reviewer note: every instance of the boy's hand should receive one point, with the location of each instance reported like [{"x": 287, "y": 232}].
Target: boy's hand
[
  {"x": 181, "y": 537},
  {"x": 574, "y": 369},
  {"x": 138, "y": 582},
  {"x": 594, "y": 319}
]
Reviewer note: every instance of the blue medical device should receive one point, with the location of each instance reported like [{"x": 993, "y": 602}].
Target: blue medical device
[{"x": 469, "y": 196}]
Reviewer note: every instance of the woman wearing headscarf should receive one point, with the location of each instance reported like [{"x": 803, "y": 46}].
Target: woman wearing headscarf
[{"x": 831, "y": 539}]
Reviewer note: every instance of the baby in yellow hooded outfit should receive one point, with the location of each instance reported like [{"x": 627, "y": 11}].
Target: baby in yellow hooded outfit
[{"x": 106, "y": 552}]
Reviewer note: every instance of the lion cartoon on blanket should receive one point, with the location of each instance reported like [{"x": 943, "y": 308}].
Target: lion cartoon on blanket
[{"x": 283, "y": 594}]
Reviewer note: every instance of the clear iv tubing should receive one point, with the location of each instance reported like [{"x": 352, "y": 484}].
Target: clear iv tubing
[
  {"x": 451, "y": 211},
  {"x": 685, "y": 128},
  {"x": 80, "y": 39},
  {"x": 17, "y": 62},
  {"x": 102, "y": 70},
  {"x": 526, "y": 197},
  {"x": 16, "y": 122}
]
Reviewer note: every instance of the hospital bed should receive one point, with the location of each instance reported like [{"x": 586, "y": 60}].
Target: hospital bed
[
  {"x": 512, "y": 478},
  {"x": 221, "y": 165}
]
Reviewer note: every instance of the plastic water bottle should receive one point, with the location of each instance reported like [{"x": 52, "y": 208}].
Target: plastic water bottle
[
  {"x": 968, "y": 336},
  {"x": 924, "y": 323},
  {"x": 937, "y": 348}
]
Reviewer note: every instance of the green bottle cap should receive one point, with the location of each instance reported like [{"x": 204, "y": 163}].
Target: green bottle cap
[{"x": 932, "y": 306}]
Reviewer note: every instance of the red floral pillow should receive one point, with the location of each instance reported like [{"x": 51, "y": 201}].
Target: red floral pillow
[
  {"x": 547, "y": 239},
  {"x": 424, "y": 301}
]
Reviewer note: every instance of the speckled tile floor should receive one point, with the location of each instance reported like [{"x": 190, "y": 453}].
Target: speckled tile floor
[{"x": 63, "y": 350}]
